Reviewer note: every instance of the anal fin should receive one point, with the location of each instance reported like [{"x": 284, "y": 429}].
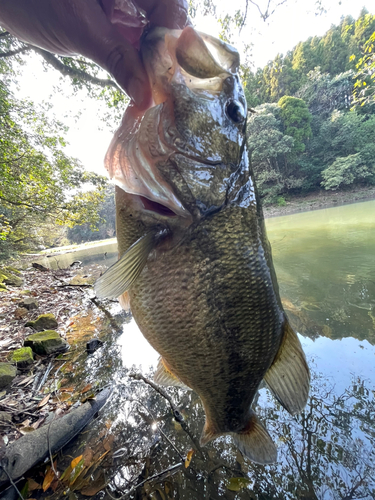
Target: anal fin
[
  {"x": 288, "y": 378},
  {"x": 164, "y": 376},
  {"x": 255, "y": 443}
]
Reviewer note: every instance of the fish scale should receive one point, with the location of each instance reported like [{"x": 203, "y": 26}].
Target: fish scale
[
  {"x": 195, "y": 262},
  {"x": 217, "y": 318}
]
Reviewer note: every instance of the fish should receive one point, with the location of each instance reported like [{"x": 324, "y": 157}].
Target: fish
[{"x": 195, "y": 265}]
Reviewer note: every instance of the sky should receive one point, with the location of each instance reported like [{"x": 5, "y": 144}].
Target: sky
[{"x": 88, "y": 139}]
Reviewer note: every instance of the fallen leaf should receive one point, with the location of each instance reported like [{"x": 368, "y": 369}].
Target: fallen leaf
[
  {"x": 189, "y": 456},
  {"x": 44, "y": 401},
  {"x": 78, "y": 469},
  {"x": 26, "y": 430},
  {"x": 86, "y": 388},
  {"x": 49, "y": 477},
  {"x": 26, "y": 380},
  {"x": 36, "y": 424},
  {"x": 33, "y": 485},
  {"x": 75, "y": 461},
  {"x": 238, "y": 483},
  {"x": 93, "y": 488}
]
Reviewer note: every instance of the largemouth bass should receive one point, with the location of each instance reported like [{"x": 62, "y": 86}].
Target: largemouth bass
[{"x": 196, "y": 265}]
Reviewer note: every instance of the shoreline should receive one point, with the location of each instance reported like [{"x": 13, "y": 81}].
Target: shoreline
[{"x": 319, "y": 200}]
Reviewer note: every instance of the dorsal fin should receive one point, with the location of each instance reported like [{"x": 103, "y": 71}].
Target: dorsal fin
[{"x": 289, "y": 377}]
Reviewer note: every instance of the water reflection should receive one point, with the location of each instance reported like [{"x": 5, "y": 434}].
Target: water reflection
[{"x": 326, "y": 270}]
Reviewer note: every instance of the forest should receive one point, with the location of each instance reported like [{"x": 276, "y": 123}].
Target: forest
[{"x": 311, "y": 127}]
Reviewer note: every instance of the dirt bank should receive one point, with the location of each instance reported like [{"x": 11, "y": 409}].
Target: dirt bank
[{"x": 318, "y": 200}]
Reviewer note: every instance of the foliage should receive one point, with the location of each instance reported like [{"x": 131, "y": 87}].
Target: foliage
[
  {"x": 296, "y": 120},
  {"x": 105, "y": 229},
  {"x": 39, "y": 183},
  {"x": 345, "y": 171},
  {"x": 269, "y": 148},
  {"x": 82, "y": 73},
  {"x": 364, "y": 86},
  {"x": 333, "y": 53}
]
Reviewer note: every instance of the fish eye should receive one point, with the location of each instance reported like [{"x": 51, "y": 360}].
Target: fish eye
[{"x": 235, "y": 111}]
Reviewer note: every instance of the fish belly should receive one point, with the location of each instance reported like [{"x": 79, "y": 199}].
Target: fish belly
[{"x": 210, "y": 308}]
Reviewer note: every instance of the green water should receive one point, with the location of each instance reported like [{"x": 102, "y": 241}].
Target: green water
[{"x": 325, "y": 264}]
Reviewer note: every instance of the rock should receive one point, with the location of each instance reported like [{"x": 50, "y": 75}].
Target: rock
[
  {"x": 29, "y": 303},
  {"x": 46, "y": 342},
  {"x": 10, "y": 276},
  {"x": 12, "y": 270},
  {"x": 7, "y": 374},
  {"x": 39, "y": 266},
  {"x": 43, "y": 322},
  {"x": 5, "y": 418},
  {"x": 92, "y": 345},
  {"x": 23, "y": 357},
  {"x": 20, "y": 312}
]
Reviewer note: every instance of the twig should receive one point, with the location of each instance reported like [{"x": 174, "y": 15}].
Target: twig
[
  {"x": 78, "y": 286},
  {"x": 171, "y": 470},
  {"x": 183, "y": 458},
  {"x": 100, "y": 306},
  {"x": 176, "y": 413},
  {"x": 49, "y": 368},
  {"x": 49, "y": 449},
  {"x": 12, "y": 482}
]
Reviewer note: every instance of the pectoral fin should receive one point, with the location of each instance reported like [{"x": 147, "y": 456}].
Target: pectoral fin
[
  {"x": 255, "y": 443},
  {"x": 163, "y": 376},
  {"x": 119, "y": 277},
  {"x": 289, "y": 377}
]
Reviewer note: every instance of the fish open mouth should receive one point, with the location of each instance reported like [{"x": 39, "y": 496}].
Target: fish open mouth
[{"x": 158, "y": 208}]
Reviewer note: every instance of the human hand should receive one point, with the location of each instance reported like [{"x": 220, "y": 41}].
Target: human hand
[{"x": 105, "y": 31}]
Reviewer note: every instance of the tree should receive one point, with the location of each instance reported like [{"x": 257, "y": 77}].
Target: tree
[
  {"x": 82, "y": 73},
  {"x": 105, "y": 229},
  {"x": 39, "y": 183},
  {"x": 296, "y": 119},
  {"x": 268, "y": 147}
]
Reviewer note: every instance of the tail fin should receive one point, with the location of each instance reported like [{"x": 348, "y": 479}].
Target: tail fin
[{"x": 255, "y": 443}]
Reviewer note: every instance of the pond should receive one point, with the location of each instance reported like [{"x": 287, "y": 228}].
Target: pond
[{"x": 325, "y": 263}]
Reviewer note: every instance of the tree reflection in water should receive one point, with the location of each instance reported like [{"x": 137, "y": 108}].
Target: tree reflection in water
[{"x": 327, "y": 452}]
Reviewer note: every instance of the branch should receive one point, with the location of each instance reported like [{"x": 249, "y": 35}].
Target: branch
[
  {"x": 20, "y": 203},
  {"x": 176, "y": 413},
  {"x": 4, "y": 33},
  {"x": 14, "y": 52},
  {"x": 73, "y": 72},
  {"x": 166, "y": 473}
]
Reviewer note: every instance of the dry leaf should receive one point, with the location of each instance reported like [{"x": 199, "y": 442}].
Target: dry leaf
[
  {"x": 49, "y": 477},
  {"x": 44, "y": 401},
  {"x": 86, "y": 388},
  {"x": 36, "y": 424},
  {"x": 93, "y": 488},
  {"x": 32, "y": 485},
  {"x": 26, "y": 380},
  {"x": 26, "y": 430},
  {"x": 189, "y": 456},
  {"x": 75, "y": 461}
]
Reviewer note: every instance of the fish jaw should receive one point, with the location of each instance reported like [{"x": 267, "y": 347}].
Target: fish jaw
[{"x": 187, "y": 137}]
